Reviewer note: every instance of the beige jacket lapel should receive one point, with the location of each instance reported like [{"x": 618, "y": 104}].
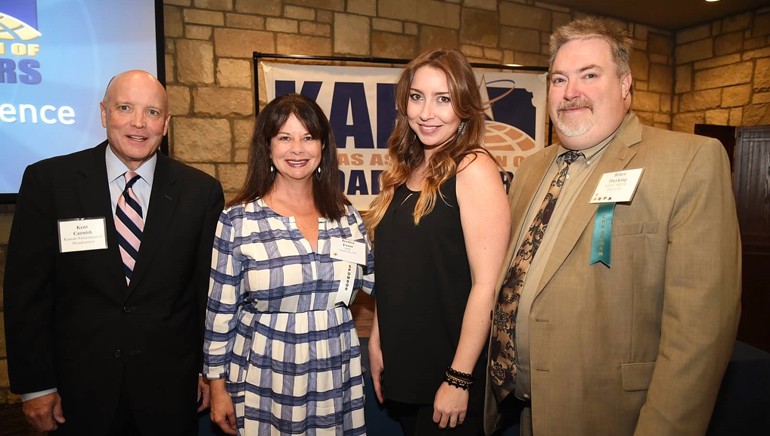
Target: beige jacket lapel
[
  {"x": 520, "y": 198},
  {"x": 580, "y": 218}
]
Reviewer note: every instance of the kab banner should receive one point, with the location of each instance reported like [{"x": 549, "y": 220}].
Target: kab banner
[{"x": 360, "y": 104}]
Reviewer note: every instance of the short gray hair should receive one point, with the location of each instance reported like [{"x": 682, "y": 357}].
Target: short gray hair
[{"x": 592, "y": 27}]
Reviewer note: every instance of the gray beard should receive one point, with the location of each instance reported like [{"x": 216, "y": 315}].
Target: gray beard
[{"x": 573, "y": 130}]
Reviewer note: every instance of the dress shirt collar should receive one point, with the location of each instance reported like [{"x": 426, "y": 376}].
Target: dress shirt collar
[{"x": 116, "y": 168}]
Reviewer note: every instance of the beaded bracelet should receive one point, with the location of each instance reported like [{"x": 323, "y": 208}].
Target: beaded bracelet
[
  {"x": 458, "y": 379},
  {"x": 462, "y": 384},
  {"x": 462, "y": 375}
]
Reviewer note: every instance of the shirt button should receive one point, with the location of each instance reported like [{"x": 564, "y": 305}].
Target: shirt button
[
  {"x": 116, "y": 354},
  {"x": 127, "y": 309}
]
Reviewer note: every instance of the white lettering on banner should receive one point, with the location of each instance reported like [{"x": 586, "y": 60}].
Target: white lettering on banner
[{"x": 28, "y": 113}]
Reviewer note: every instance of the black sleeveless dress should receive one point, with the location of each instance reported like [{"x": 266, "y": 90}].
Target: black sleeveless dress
[{"x": 422, "y": 287}]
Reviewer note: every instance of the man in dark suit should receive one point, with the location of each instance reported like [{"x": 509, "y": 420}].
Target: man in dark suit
[{"x": 103, "y": 339}]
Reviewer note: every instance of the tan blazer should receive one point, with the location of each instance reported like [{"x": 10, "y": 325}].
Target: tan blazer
[{"x": 639, "y": 347}]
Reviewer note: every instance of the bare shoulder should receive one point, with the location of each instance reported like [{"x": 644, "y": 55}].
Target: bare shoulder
[
  {"x": 475, "y": 163},
  {"x": 479, "y": 180},
  {"x": 477, "y": 168}
]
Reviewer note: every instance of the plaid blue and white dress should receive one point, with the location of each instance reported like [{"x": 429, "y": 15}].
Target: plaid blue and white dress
[{"x": 290, "y": 355}]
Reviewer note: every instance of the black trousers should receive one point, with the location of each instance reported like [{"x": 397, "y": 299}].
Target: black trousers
[{"x": 510, "y": 416}]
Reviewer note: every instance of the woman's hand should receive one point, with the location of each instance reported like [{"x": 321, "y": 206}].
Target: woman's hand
[
  {"x": 449, "y": 406},
  {"x": 376, "y": 365},
  {"x": 222, "y": 409},
  {"x": 203, "y": 394}
]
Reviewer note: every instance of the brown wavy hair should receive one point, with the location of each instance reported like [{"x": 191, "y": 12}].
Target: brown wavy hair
[
  {"x": 327, "y": 193},
  {"x": 405, "y": 149}
]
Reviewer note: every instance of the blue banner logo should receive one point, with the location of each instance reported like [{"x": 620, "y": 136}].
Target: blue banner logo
[{"x": 18, "y": 30}]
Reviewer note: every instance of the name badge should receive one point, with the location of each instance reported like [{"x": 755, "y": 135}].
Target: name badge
[
  {"x": 617, "y": 187},
  {"x": 82, "y": 234},
  {"x": 348, "y": 250}
]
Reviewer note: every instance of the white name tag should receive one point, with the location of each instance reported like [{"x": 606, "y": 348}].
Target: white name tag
[
  {"x": 82, "y": 234},
  {"x": 347, "y": 250},
  {"x": 617, "y": 187}
]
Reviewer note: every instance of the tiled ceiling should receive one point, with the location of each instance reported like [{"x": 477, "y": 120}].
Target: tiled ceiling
[{"x": 663, "y": 14}]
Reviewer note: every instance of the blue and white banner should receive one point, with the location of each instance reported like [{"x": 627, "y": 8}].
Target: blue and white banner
[{"x": 360, "y": 104}]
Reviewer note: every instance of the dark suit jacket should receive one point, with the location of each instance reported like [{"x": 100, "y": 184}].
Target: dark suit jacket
[
  {"x": 639, "y": 347},
  {"x": 71, "y": 320}
]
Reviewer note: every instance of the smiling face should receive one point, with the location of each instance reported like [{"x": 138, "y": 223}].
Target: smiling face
[
  {"x": 294, "y": 152},
  {"x": 135, "y": 113},
  {"x": 587, "y": 100},
  {"x": 429, "y": 109}
]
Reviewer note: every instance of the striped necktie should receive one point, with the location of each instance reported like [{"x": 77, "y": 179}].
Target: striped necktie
[{"x": 129, "y": 223}]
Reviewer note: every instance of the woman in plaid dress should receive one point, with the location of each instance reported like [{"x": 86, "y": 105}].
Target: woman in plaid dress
[{"x": 290, "y": 253}]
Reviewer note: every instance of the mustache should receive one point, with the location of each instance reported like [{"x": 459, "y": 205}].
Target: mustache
[{"x": 578, "y": 103}]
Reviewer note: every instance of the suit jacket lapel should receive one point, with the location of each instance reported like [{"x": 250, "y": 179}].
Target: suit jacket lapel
[
  {"x": 521, "y": 198},
  {"x": 163, "y": 201},
  {"x": 531, "y": 182},
  {"x": 93, "y": 194},
  {"x": 617, "y": 156}
]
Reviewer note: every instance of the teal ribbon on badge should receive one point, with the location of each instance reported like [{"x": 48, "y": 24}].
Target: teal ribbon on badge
[{"x": 601, "y": 244}]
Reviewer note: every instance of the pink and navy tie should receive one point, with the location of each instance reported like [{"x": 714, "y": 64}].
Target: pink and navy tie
[{"x": 129, "y": 222}]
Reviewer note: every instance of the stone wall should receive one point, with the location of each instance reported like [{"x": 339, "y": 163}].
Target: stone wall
[
  {"x": 716, "y": 73},
  {"x": 722, "y": 73},
  {"x": 209, "y": 45}
]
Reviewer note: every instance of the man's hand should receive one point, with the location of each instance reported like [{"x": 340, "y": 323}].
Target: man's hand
[{"x": 44, "y": 413}]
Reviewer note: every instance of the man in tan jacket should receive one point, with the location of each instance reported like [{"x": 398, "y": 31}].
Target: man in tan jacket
[{"x": 619, "y": 306}]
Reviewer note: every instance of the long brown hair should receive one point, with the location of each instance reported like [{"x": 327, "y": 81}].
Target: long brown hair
[
  {"x": 404, "y": 148},
  {"x": 327, "y": 193}
]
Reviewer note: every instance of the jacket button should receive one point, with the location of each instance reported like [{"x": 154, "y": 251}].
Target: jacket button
[
  {"x": 127, "y": 309},
  {"x": 116, "y": 353}
]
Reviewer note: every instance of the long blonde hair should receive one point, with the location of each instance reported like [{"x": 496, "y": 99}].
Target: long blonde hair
[{"x": 404, "y": 148}]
